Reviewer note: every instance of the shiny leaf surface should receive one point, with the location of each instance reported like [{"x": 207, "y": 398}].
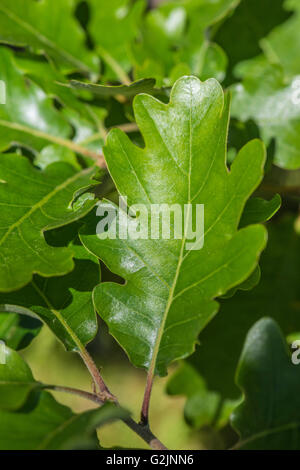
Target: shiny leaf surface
[
  {"x": 43, "y": 203},
  {"x": 170, "y": 289}
]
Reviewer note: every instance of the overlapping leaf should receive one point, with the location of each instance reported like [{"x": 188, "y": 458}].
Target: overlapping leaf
[
  {"x": 169, "y": 291},
  {"x": 39, "y": 26},
  {"x": 259, "y": 210},
  {"x": 16, "y": 380},
  {"x": 241, "y": 33},
  {"x": 48, "y": 77},
  {"x": 32, "y": 202},
  {"x": 268, "y": 418},
  {"x": 173, "y": 41},
  {"x": 32, "y": 419},
  {"x": 28, "y": 111},
  {"x": 50, "y": 425},
  {"x": 113, "y": 26},
  {"x": 265, "y": 97},
  {"x": 17, "y": 331},
  {"x": 282, "y": 44},
  {"x": 64, "y": 304},
  {"x": 29, "y": 118},
  {"x": 203, "y": 407},
  {"x": 145, "y": 85}
]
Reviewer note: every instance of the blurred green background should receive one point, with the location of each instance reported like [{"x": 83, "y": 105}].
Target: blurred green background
[{"x": 50, "y": 363}]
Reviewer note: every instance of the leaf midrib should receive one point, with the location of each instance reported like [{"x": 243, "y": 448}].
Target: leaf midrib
[
  {"x": 180, "y": 259},
  {"x": 77, "y": 148}
]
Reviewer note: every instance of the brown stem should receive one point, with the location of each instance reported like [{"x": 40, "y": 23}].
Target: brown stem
[
  {"x": 142, "y": 431},
  {"x": 146, "y": 400},
  {"x": 100, "y": 386},
  {"x": 145, "y": 433},
  {"x": 75, "y": 391},
  {"x": 127, "y": 127},
  {"x": 102, "y": 390}
]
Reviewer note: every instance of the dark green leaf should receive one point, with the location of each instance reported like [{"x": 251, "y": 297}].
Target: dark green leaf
[
  {"x": 16, "y": 380},
  {"x": 259, "y": 210},
  {"x": 33, "y": 202},
  {"x": 39, "y": 25},
  {"x": 50, "y": 425},
  {"x": 28, "y": 115},
  {"x": 17, "y": 331},
  {"x": 269, "y": 416},
  {"x": 64, "y": 304},
  {"x": 277, "y": 295},
  {"x": 145, "y": 85},
  {"x": 113, "y": 26},
  {"x": 241, "y": 33}
]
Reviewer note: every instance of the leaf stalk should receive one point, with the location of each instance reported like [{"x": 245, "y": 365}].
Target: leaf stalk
[{"x": 142, "y": 431}]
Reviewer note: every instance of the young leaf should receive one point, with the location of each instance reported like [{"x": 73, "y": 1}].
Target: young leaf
[
  {"x": 64, "y": 304},
  {"x": 169, "y": 293},
  {"x": 269, "y": 416},
  {"x": 32, "y": 202},
  {"x": 38, "y": 25}
]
